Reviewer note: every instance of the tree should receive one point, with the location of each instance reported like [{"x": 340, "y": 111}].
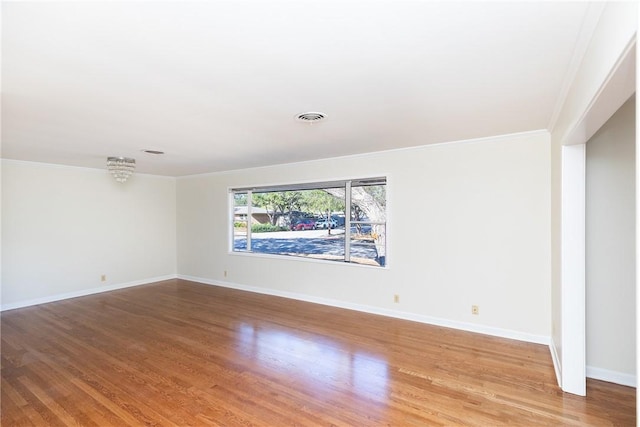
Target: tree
[
  {"x": 357, "y": 215},
  {"x": 278, "y": 203},
  {"x": 322, "y": 202},
  {"x": 372, "y": 201},
  {"x": 240, "y": 199}
]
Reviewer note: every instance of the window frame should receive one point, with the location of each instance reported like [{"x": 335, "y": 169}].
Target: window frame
[{"x": 347, "y": 184}]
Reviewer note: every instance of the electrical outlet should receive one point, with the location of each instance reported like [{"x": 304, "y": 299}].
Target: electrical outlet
[
  {"x": 103, "y": 278},
  {"x": 475, "y": 309},
  {"x": 225, "y": 273},
  {"x": 396, "y": 298}
]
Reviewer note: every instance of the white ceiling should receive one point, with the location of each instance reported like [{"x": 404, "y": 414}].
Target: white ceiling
[{"x": 217, "y": 84}]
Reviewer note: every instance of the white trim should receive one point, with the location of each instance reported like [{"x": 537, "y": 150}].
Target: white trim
[
  {"x": 309, "y": 182},
  {"x": 306, "y": 259},
  {"x": 469, "y": 327},
  {"x": 83, "y": 292},
  {"x": 573, "y": 351},
  {"x": 52, "y": 165},
  {"x": 572, "y": 229},
  {"x": 637, "y": 234},
  {"x": 616, "y": 89},
  {"x": 77, "y": 168},
  {"x": 376, "y": 153},
  {"x": 615, "y": 377},
  {"x": 230, "y": 251},
  {"x": 587, "y": 29},
  {"x": 557, "y": 366}
]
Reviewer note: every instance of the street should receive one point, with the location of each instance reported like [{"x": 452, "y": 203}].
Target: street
[{"x": 308, "y": 242}]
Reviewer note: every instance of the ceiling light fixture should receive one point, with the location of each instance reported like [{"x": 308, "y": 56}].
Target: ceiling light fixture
[
  {"x": 311, "y": 117},
  {"x": 121, "y": 167}
]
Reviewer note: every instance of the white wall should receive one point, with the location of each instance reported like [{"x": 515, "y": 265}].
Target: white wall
[
  {"x": 589, "y": 92},
  {"x": 468, "y": 223},
  {"x": 610, "y": 248},
  {"x": 63, "y": 227}
]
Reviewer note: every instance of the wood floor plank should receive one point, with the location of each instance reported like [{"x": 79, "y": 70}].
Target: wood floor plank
[{"x": 183, "y": 353}]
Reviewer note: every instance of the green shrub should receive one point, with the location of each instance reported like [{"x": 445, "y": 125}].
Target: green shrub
[{"x": 266, "y": 228}]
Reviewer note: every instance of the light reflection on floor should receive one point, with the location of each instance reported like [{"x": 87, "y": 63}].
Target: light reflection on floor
[{"x": 322, "y": 363}]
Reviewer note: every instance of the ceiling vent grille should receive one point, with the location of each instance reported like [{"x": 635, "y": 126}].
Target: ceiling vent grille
[
  {"x": 156, "y": 152},
  {"x": 311, "y": 117}
]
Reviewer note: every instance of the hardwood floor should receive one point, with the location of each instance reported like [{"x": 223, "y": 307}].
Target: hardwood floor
[{"x": 182, "y": 353}]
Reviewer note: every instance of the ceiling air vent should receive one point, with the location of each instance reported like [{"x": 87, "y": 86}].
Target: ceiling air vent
[{"x": 311, "y": 117}]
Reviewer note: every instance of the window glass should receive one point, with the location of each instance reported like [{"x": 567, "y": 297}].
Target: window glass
[
  {"x": 240, "y": 221},
  {"x": 314, "y": 221},
  {"x": 368, "y": 223}
]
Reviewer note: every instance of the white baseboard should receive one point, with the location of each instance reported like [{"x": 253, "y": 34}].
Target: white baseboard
[
  {"x": 83, "y": 292},
  {"x": 557, "y": 366},
  {"x": 592, "y": 372},
  {"x": 470, "y": 327},
  {"x": 611, "y": 376}
]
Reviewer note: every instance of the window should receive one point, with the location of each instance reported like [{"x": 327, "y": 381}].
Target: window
[{"x": 336, "y": 221}]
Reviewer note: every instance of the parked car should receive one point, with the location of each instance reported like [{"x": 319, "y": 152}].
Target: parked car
[
  {"x": 322, "y": 223},
  {"x": 303, "y": 224}
]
